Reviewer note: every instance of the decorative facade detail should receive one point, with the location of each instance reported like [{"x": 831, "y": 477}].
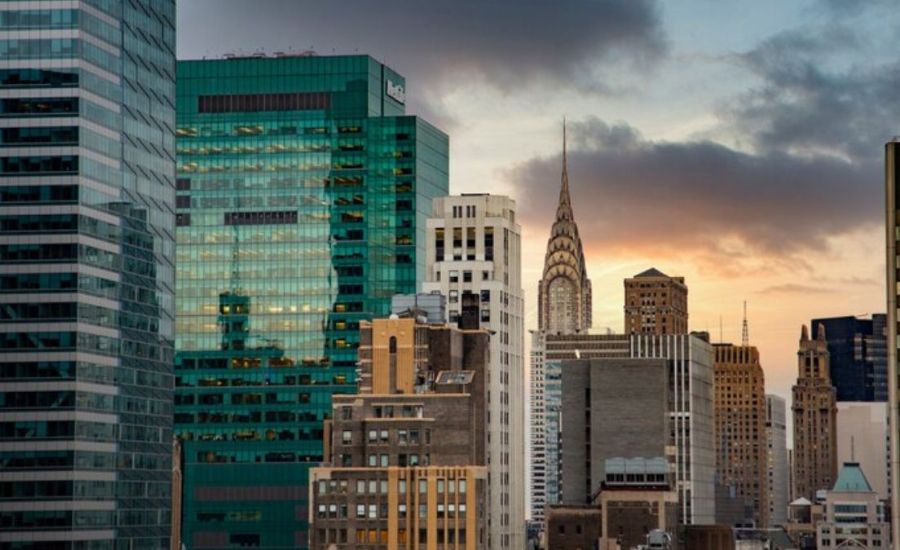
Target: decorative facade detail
[{"x": 564, "y": 294}]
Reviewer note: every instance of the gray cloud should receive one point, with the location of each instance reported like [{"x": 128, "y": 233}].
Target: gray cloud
[
  {"x": 844, "y": 8},
  {"x": 441, "y": 43},
  {"x": 698, "y": 199},
  {"x": 813, "y": 101},
  {"x": 793, "y": 288}
]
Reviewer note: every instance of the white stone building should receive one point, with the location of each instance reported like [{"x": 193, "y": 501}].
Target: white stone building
[{"x": 474, "y": 256}]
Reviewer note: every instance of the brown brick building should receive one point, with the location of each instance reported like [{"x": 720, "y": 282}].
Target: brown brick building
[
  {"x": 815, "y": 418},
  {"x": 406, "y": 457},
  {"x": 740, "y": 417},
  {"x": 636, "y": 498},
  {"x": 656, "y": 304}
]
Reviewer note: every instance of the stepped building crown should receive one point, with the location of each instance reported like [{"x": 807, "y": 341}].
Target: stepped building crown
[{"x": 564, "y": 294}]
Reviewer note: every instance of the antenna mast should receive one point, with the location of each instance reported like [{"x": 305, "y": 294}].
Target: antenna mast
[{"x": 745, "y": 332}]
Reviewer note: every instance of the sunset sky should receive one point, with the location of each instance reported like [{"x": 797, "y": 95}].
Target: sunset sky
[{"x": 738, "y": 144}]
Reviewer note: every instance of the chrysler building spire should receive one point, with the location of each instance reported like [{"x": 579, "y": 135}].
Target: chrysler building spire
[{"x": 564, "y": 297}]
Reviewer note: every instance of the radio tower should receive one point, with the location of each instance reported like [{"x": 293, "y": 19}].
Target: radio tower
[{"x": 745, "y": 330}]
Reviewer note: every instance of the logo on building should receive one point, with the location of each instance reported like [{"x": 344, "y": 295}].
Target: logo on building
[{"x": 395, "y": 91}]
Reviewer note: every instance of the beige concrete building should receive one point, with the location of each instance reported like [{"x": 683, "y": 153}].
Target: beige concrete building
[
  {"x": 862, "y": 437},
  {"x": 778, "y": 464},
  {"x": 815, "y": 418},
  {"x": 656, "y": 304},
  {"x": 740, "y": 420},
  {"x": 474, "y": 254},
  {"x": 406, "y": 458},
  {"x": 853, "y": 516}
]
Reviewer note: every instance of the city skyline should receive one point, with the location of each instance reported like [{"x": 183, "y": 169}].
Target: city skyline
[
  {"x": 269, "y": 269},
  {"x": 719, "y": 104}
]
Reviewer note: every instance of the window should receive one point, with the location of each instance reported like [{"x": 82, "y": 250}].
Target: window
[
  {"x": 347, "y": 436},
  {"x": 454, "y": 276},
  {"x": 454, "y": 296},
  {"x": 467, "y": 276},
  {"x": 489, "y": 243},
  {"x": 360, "y": 511}
]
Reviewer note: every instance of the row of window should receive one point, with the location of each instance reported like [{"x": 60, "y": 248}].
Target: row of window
[{"x": 380, "y": 486}]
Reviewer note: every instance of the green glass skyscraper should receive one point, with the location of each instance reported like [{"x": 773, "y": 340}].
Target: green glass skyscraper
[{"x": 302, "y": 194}]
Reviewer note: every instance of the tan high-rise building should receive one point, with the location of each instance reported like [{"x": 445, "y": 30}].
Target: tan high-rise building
[
  {"x": 564, "y": 292},
  {"x": 656, "y": 304},
  {"x": 815, "y": 418},
  {"x": 892, "y": 262},
  {"x": 406, "y": 458},
  {"x": 740, "y": 419}
]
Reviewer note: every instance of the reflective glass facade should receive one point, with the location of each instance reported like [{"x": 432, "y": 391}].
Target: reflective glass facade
[
  {"x": 303, "y": 191},
  {"x": 87, "y": 282},
  {"x": 857, "y": 359}
]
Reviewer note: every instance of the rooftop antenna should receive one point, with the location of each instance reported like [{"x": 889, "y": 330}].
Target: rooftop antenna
[
  {"x": 721, "y": 336},
  {"x": 745, "y": 331}
]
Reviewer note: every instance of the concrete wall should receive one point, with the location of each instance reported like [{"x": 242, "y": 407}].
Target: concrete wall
[
  {"x": 862, "y": 437},
  {"x": 610, "y": 408}
]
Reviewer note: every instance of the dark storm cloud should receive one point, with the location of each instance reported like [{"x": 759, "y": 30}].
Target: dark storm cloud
[
  {"x": 510, "y": 44},
  {"x": 851, "y": 7},
  {"x": 697, "y": 199},
  {"x": 812, "y": 100}
]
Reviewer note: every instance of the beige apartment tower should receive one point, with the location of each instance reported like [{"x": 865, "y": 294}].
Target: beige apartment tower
[
  {"x": 815, "y": 418},
  {"x": 740, "y": 420},
  {"x": 474, "y": 259},
  {"x": 656, "y": 304}
]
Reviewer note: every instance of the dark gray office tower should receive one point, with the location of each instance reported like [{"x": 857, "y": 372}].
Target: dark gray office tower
[
  {"x": 858, "y": 356},
  {"x": 638, "y": 395},
  {"x": 87, "y": 226}
]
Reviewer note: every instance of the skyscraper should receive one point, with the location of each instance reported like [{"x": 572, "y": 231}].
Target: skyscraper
[
  {"x": 656, "y": 304},
  {"x": 892, "y": 236},
  {"x": 564, "y": 308},
  {"x": 814, "y": 406},
  {"x": 564, "y": 292},
  {"x": 778, "y": 467},
  {"x": 740, "y": 418},
  {"x": 87, "y": 197},
  {"x": 857, "y": 357},
  {"x": 474, "y": 253},
  {"x": 303, "y": 190}
]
